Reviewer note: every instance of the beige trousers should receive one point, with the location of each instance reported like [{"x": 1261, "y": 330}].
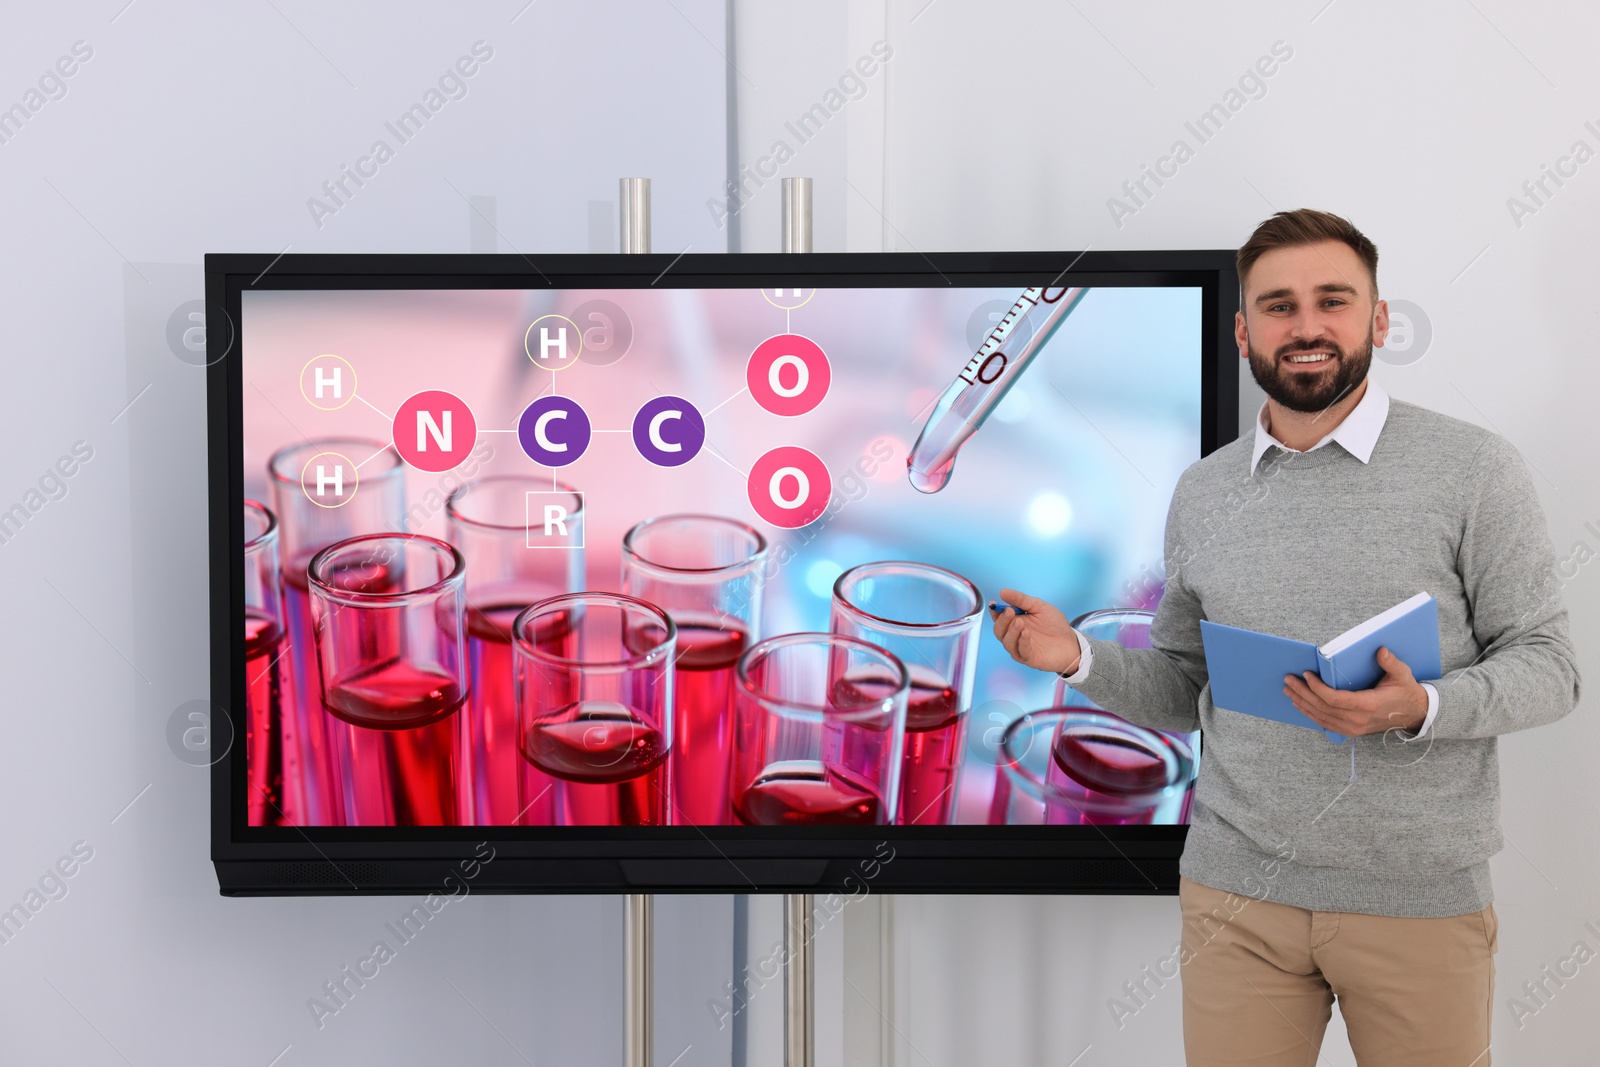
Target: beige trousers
[{"x": 1260, "y": 978}]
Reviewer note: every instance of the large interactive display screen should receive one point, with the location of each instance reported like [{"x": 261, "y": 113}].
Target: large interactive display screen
[{"x": 684, "y": 554}]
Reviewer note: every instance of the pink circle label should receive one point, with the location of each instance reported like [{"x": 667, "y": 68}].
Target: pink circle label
[
  {"x": 434, "y": 431},
  {"x": 789, "y": 487},
  {"x": 788, "y": 374}
]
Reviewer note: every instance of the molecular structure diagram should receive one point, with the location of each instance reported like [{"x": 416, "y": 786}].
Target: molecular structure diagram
[{"x": 434, "y": 430}]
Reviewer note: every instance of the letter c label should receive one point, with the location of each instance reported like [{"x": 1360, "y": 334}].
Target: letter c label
[{"x": 540, "y": 435}]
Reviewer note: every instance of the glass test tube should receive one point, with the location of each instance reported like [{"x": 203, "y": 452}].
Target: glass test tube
[
  {"x": 276, "y": 797},
  {"x": 390, "y": 618},
  {"x": 980, "y": 386},
  {"x": 513, "y": 561},
  {"x": 1130, "y": 628},
  {"x": 708, "y": 574},
  {"x": 819, "y": 721},
  {"x": 307, "y": 527},
  {"x": 594, "y": 682},
  {"x": 1083, "y": 768},
  {"x": 931, "y": 619}
]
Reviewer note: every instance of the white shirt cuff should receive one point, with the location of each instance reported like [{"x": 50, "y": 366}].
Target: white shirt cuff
[
  {"x": 1086, "y": 661},
  {"x": 1433, "y": 709}
]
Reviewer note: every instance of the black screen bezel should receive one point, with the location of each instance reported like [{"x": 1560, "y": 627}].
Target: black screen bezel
[{"x": 986, "y": 859}]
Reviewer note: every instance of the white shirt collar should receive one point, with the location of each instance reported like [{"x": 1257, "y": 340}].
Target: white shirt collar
[{"x": 1358, "y": 433}]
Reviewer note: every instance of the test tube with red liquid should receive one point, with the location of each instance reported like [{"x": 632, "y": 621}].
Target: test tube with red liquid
[
  {"x": 818, "y": 724},
  {"x": 594, "y": 681},
  {"x": 1066, "y": 767},
  {"x": 931, "y": 619},
  {"x": 390, "y": 618},
  {"x": 707, "y": 573},
  {"x": 309, "y": 523},
  {"x": 513, "y": 561},
  {"x": 1130, "y": 628},
  {"x": 271, "y": 751}
]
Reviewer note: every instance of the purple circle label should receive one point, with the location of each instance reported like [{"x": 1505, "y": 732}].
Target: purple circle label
[
  {"x": 554, "y": 430},
  {"x": 668, "y": 431}
]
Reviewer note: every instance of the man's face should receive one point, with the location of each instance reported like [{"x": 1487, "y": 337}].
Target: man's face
[{"x": 1309, "y": 323}]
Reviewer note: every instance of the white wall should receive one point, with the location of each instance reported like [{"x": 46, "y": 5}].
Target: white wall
[
  {"x": 1010, "y": 125},
  {"x": 200, "y": 128}
]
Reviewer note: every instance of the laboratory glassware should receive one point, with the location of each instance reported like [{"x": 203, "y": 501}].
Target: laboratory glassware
[
  {"x": 1130, "y": 628},
  {"x": 819, "y": 722},
  {"x": 390, "y": 618},
  {"x": 305, "y": 528},
  {"x": 985, "y": 380},
  {"x": 508, "y": 568},
  {"x": 1069, "y": 767},
  {"x": 276, "y": 795},
  {"x": 930, "y": 618},
  {"x": 594, "y": 679},
  {"x": 707, "y": 573}
]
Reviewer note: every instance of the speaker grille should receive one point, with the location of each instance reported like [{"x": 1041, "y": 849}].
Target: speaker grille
[{"x": 327, "y": 873}]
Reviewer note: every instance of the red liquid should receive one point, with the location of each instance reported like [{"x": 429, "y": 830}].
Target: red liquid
[
  {"x": 702, "y": 726},
  {"x": 394, "y": 694},
  {"x": 318, "y": 785},
  {"x": 495, "y": 767},
  {"x": 935, "y": 732},
  {"x": 833, "y": 782},
  {"x": 1115, "y": 774},
  {"x": 610, "y": 762},
  {"x": 397, "y": 760},
  {"x": 1107, "y": 763},
  {"x": 271, "y": 753},
  {"x": 399, "y": 745},
  {"x": 807, "y": 793}
]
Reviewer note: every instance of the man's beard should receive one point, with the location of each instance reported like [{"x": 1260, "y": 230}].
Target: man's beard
[{"x": 1316, "y": 390}]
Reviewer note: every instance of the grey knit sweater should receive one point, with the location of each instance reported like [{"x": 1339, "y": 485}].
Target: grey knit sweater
[{"x": 1309, "y": 546}]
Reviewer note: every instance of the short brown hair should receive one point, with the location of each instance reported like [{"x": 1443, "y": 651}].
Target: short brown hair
[{"x": 1288, "y": 229}]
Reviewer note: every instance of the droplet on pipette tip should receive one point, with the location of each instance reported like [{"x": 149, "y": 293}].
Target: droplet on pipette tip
[{"x": 930, "y": 481}]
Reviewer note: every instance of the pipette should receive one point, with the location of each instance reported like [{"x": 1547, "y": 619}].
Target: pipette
[{"x": 984, "y": 382}]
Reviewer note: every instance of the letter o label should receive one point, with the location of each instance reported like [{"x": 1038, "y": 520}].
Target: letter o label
[
  {"x": 769, "y": 368},
  {"x": 789, "y": 487},
  {"x": 775, "y": 487},
  {"x": 802, "y": 377}
]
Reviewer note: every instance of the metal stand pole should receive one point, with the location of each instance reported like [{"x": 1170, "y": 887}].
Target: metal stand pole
[
  {"x": 800, "y": 974},
  {"x": 638, "y": 908},
  {"x": 635, "y": 208},
  {"x": 797, "y": 214},
  {"x": 886, "y": 1033},
  {"x": 799, "y": 982},
  {"x": 638, "y": 916}
]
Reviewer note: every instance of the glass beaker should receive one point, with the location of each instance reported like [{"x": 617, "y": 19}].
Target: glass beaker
[
  {"x": 819, "y": 723},
  {"x": 390, "y": 617},
  {"x": 513, "y": 560},
  {"x": 594, "y": 682},
  {"x": 930, "y": 619},
  {"x": 707, "y": 573},
  {"x": 1130, "y": 628},
  {"x": 1068, "y": 767},
  {"x": 276, "y": 795},
  {"x": 306, "y": 527}
]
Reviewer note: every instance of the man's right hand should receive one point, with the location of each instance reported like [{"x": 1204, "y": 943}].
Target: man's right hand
[{"x": 1042, "y": 638}]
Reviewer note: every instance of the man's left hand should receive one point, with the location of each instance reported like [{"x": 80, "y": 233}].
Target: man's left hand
[{"x": 1398, "y": 701}]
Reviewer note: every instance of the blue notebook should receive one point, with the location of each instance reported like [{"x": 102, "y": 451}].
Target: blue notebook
[{"x": 1247, "y": 667}]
